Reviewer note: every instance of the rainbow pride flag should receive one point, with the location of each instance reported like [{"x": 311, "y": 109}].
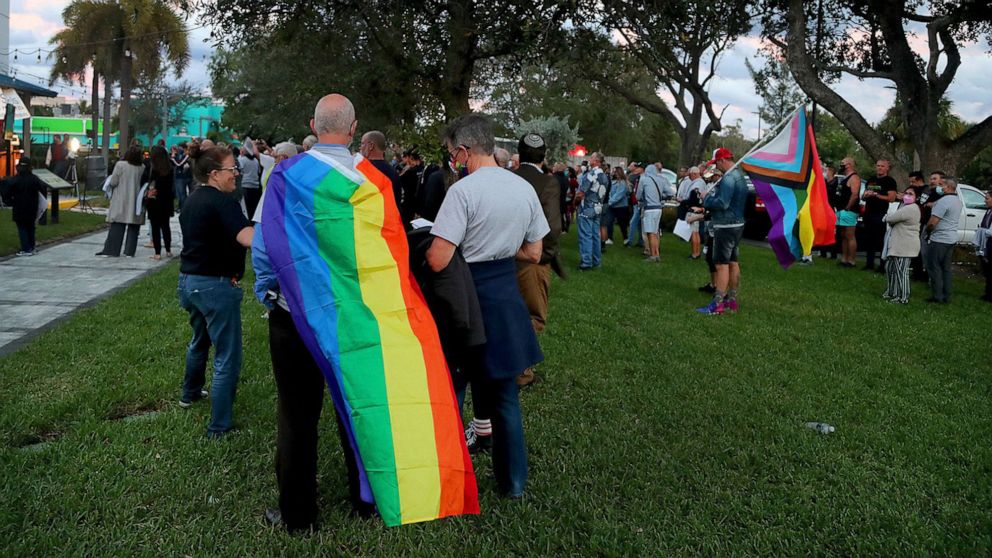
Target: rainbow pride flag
[
  {"x": 337, "y": 244},
  {"x": 786, "y": 173}
]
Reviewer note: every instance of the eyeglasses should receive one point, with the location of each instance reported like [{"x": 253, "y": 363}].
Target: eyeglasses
[{"x": 231, "y": 169}]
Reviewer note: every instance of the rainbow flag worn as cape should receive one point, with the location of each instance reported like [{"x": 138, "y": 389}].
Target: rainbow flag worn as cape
[
  {"x": 339, "y": 249},
  {"x": 787, "y": 175}
]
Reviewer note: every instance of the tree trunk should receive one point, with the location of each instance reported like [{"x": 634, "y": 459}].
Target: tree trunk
[
  {"x": 95, "y": 110},
  {"x": 105, "y": 141},
  {"x": 124, "y": 112}
]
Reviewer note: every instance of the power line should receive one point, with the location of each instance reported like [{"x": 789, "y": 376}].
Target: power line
[{"x": 27, "y": 51}]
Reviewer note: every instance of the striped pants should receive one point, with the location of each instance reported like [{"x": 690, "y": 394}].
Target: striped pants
[{"x": 897, "y": 272}]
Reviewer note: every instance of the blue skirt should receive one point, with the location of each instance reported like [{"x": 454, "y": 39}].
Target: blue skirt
[{"x": 511, "y": 344}]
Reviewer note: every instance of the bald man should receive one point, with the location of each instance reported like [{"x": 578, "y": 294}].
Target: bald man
[
  {"x": 299, "y": 382},
  {"x": 373, "y": 148}
]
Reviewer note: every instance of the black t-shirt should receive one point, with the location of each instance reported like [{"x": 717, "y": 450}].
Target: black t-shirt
[
  {"x": 881, "y": 185},
  {"x": 388, "y": 170},
  {"x": 211, "y": 221}
]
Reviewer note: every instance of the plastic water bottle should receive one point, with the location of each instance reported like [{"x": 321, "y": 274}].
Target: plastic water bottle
[{"x": 821, "y": 427}]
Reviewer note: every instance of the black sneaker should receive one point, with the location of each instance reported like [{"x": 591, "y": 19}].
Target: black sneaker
[
  {"x": 184, "y": 402},
  {"x": 707, "y": 288},
  {"x": 476, "y": 443}
]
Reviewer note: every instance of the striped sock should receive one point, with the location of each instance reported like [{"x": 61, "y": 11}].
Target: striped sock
[{"x": 482, "y": 427}]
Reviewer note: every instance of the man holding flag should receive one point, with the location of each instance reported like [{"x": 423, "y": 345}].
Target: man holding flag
[{"x": 726, "y": 205}]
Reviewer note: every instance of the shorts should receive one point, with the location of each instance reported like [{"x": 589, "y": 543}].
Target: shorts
[
  {"x": 726, "y": 244},
  {"x": 847, "y": 218},
  {"x": 651, "y": 221},
  {"x": 694, "y": 227}
]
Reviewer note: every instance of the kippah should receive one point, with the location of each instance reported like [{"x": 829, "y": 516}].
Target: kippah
[{"x": 533, "y": 140}]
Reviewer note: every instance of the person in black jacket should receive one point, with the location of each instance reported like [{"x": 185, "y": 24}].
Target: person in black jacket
[
  {"x": 22, "y": 193},
  {"x": 160, "y": 203}
]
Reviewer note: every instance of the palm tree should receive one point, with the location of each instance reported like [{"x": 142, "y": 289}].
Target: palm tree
[
  {"x": 130, "y": 39},
  {"x": 87, "y": 42}
]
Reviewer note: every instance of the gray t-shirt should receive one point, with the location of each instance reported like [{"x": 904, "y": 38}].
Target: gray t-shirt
[
  {"x": 948, "y": 208},
  {"x": 490, "y": 213}
]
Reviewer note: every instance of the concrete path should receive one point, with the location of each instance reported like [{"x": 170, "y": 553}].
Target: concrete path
[{"x": 40, "y": 290}]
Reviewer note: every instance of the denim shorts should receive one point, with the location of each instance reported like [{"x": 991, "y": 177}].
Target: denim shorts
[
  {"x": 651, "y": 221},
  {"x": 726, "y": 244}
]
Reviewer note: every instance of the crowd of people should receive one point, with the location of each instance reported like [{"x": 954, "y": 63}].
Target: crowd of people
[{"x": 494, "y": 218}]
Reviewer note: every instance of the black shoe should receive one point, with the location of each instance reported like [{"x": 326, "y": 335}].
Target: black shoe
[
  {"x": 845, "y": 264},
  {"x": 707, "y": 288},
  {"x": 986, "y": 298},
  {"x": 477, "y": 444}
]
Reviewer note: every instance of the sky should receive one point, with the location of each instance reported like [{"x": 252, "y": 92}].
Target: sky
[{"x": 34, "y": 22}]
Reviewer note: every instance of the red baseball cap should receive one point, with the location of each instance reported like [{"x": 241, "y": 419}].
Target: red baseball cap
[{"x": 721, "y": 153}]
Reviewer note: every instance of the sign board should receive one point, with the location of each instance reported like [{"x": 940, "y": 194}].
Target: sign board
[
  {"x": 8, "y": 95},
  {"x": 51, "y": 179}
]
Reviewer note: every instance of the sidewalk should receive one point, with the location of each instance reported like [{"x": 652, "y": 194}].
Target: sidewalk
[{"x": 39, "y": 291}]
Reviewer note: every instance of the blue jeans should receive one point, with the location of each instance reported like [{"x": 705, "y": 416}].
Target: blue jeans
[
  {"x": 180, "y": 186},
  {"x": 214, "y": 307},
  {"x": 500, "y": 401},
  {"x": 590, "y": 250},
  {"x": 26, "y": 234},
  {"x": 634, "y": 238}
]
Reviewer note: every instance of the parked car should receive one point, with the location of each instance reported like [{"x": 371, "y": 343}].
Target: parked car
[{"x": 757, "y": 223}]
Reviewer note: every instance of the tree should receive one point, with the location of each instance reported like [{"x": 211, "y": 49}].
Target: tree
[
  {"x": 159, "y": 106},
  {"x": 558, "y": 88},
  {"x": 87, "y": 42},
  {"x": 678, "y": 43},
  {"x": 557, "y": 134},
  {"x": 731, "y": 137},
  {"x": 129, "y": 39},
  {"x": 872, "y": 40},
  {"x": 778, "y": 91},
  {"x": 431, "y": 47}
]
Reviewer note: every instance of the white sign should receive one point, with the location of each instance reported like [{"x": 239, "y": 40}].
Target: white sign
[{"x": 8, "y": 95}]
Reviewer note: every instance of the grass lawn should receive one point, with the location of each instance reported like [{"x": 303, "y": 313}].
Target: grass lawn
[
  {"x": 70, "y": 224},
  {"x": 653, "y": 432}
]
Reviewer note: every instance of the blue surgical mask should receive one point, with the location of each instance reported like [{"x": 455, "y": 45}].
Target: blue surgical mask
[{"x": 940, "y": 190}]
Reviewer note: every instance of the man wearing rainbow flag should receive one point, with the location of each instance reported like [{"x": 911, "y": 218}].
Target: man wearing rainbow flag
[{"x": 332, "y": 265}]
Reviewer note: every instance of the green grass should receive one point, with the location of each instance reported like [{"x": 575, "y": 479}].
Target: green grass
[
  {"x": 70, "y": 224},
  {"x": 654, "y": 431}
]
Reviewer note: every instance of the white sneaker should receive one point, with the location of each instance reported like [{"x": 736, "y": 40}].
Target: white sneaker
[{"x": 609, "y": 242}]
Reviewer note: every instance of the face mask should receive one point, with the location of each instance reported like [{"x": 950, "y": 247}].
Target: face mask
[
  {"x": 455, "y": 167},
  {"x": 584, "y": 168},
  {"x": 940, "y": 190},
  {"x": 909, "y": 200}
]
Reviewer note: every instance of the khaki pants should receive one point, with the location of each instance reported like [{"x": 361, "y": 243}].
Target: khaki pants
[{"x": 534, "y": 281}]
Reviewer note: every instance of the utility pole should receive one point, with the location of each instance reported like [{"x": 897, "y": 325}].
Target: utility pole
[{"x": 758, "y": 112}]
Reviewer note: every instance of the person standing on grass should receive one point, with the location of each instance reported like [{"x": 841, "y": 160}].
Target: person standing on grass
[
  {"x": 880, "y": 191},
  {"x": 654, "y": 188},
  {"x": 929, "y": 197},
  {"x": 901, "y": 246},
  {"x": 160, "y": 200},
  {"x": 942, "y": 229},
  {"x": 726, "y": 204},
  {"x": 216, "y": 235},
  {"x": 534, "y": 279},
  {"x": 300, "y": 384},
  {"x": 251, "y": 178},
  {"x": 591, "y": 195},
  {"x": 23, "y": 193},
  {"x": 847, "y": 216},
  {"x": 619, "y": 204},
  {"x": 495, "y": 218},
  {"x": 986, "y": 249}
]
